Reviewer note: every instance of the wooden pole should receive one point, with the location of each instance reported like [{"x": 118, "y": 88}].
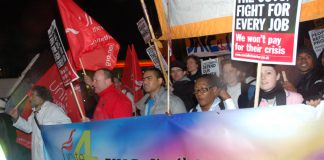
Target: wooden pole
[
  {"x": 83, "y": 70},
  {"x": 169, "y": 49},
  {"x": 257, "y": 86},
  {"x": 154, "y": 41},
  {"x": 284, "y": 76},
  {"x": 77, "y": 101},
  {"x": 21, "y": 101}
]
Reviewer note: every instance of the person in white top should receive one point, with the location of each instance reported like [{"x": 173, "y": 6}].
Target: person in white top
[
  {"x": 241, "y": 93},
  {"x": 210, "y": 95},
  {"x": 44, "y": 113}
]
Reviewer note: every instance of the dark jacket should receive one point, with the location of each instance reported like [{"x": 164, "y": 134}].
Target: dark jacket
[
  {"x": 195, "y": 76},
  {"x": 246, "y": 98},
  {"x": 184, "y": 90},
  {"x": 311, "y": 85}
]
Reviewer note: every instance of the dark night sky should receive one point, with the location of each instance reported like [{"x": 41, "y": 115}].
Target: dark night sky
[{"x": 24, "y": 24}]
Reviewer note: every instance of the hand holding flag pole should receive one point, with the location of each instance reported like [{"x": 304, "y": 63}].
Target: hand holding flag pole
[{"x": 84, "y": 72}]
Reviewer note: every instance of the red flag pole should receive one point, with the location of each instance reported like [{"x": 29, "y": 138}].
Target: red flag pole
[
  {"x": 83, "y": 70},
  {"x": 77, "y": 101}
]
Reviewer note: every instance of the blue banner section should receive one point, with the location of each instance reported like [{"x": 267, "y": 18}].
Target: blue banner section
[{"x": 263, "y": 133}]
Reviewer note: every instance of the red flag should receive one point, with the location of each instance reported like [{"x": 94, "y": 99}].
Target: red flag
[
  {"x": 62, "y": 96},
  {"x": 88, "y": 40},
  {"x": 132, "y": 75}
]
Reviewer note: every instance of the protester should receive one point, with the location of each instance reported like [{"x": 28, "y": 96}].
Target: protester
[
  {"x": 182, "y": 86},
  {"x": 112, "y": 102},
  {"x": 193, "y": 67},
  {"x": 44, "y": 113},
  {"x": 311, "y": 85},
  {"x": 155, "y": 100},
  {"x": 241, "y": 93},
  {"x": 129, "y": 95},
  {"x": 210, "y": 95},
  {"x": 317, "y": 100},
  {"x": 272, "y": 93}
]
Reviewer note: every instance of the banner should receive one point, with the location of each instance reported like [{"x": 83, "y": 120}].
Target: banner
[
  {"x": 266, "y": 31},
  {"x": 317, "y": 38},
  {"x": 154, "y": 57},
  {"x": 132, "y": 78},
  {"x": 207, "y": 46},
  {"x": 68, "y": 75},
  {"x": 87, "y": 39},
  {"x": 197, "y": 18},
  {"x": 210, "y": 66},
  {"x": 282, "y": 132},
  {"x": 144, "y": 30}
]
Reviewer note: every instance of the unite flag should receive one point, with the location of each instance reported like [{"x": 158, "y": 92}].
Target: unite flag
[{"x": 87, "y": 39}]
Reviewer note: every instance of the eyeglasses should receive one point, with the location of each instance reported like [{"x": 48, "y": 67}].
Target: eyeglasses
[{"x": 202, "y": 90}]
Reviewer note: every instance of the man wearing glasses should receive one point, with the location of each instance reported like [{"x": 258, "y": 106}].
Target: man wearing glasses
[{"x": 210, "y": 95}]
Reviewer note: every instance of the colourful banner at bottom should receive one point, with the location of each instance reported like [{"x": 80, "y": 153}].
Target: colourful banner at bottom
[{"x": 283, "y": 132}]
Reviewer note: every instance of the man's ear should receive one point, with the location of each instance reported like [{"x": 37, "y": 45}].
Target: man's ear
[
  {"x": 109, "y": 81},
  {"x": 160, "y": 80},
  {"x": 216, "y": 91}
]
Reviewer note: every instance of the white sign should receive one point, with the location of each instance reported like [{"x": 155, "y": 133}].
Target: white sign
[
  {"x": 210, "y": 66},
  {"x": 143, "y": 28},
  {"x": 152, "y": 53},
  {"x": 317, "y": 38}
]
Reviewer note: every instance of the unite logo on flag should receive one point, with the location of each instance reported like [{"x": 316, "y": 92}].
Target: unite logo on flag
[{"x": 75, "y": 154}]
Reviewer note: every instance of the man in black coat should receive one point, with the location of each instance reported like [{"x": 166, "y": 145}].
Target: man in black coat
[{"x": 183, "y": 87}]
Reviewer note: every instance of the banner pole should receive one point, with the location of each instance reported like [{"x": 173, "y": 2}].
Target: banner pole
[
  {"x": 77, "y": 101},
  {"x": 257, "y": 86},
  {"x": 21, "y": 101},
  {"x": 169, "y": 52},
  {"x": 154, "y": 41},
  {"x": 21, "y": 77}
]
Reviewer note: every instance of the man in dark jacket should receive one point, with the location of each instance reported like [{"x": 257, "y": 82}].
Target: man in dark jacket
[{"x": 183, "y": 87}]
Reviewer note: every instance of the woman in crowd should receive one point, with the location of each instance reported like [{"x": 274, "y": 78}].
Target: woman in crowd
[
  {"x": 272, "y": 93},
  {"x": 241, "y": 93},
  {"x": 193, "y": 67}
]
